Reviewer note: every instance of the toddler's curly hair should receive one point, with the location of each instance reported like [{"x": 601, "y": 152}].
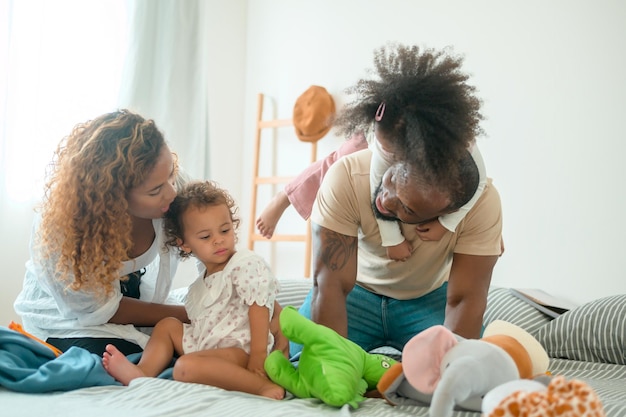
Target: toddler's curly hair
[{"x": 196, "y": 194}]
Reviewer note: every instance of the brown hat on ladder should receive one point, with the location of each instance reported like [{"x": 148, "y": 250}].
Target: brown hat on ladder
[{"x": 313, "y": 114}]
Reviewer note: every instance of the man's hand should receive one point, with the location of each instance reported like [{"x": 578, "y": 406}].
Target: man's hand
[{"x": 468, "y": 285}]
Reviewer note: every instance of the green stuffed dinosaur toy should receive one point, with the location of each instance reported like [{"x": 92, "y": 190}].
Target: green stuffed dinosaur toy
[{"x": 331, "y": 367}]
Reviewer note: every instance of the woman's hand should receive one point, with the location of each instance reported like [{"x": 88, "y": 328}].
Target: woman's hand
[{"x": 142, "y": 313}]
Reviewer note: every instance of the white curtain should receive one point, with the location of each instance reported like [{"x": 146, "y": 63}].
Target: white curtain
[
  {"x": 66, "y": 61},
  {"x": 165, "y": 76},
  {"x": 61, "y": 64}
]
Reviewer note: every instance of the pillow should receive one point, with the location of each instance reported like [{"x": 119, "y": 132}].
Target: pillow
[
  {"x": 503, "y": 305},
  {"x": 293, "y": 291},
  {"x": 593, "y": 332}
]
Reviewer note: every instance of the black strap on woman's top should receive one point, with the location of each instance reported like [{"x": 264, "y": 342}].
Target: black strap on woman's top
[{"x": 130, "y": 286}]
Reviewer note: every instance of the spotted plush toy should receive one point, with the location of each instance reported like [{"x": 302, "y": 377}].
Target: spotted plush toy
[
  {"x": 331, "y": 367},
  {"x": 561, "y": 398}
]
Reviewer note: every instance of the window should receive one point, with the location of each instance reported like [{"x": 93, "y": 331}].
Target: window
[{"x": 62, "y": 63}]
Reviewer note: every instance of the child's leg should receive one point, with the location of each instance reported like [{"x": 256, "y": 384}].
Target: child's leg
[
  {"x": 301, "y": 191},
  {"x": 165, "y": 340},
  {"x": 267, "y": 221},
  {"x": 226, "y": 369}
]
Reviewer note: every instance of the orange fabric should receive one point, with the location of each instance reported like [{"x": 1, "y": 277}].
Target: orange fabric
[
  {"x": 516, "y": 350},
  {"x": 388, "y": 379},
  {"x": 18, "y": 328}
]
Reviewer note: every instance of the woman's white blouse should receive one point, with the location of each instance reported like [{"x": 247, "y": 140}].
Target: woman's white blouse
[{"x": 48, "y": 308}]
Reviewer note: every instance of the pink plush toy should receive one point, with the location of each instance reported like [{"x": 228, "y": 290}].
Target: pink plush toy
[{"x": 447, "y": 371}]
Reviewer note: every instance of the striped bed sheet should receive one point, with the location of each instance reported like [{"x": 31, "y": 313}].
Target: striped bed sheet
[{"x": 149, "y": 397}]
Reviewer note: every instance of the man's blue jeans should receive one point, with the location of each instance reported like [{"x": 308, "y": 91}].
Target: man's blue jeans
[{"x": 376, "y": 320}]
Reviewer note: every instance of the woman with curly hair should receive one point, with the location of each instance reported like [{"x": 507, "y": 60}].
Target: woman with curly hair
[
  {"x": 230, "y": 304},
  {"x": 98, "y": 268}
]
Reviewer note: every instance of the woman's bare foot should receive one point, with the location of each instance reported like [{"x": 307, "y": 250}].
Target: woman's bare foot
[
  {"x": 267, "y": 221},
  {"x": 273, "y": 391},
  {"x": 119, "y": 367}
]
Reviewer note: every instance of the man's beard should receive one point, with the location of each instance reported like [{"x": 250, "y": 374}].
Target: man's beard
[{"x": 377, "y": 212}]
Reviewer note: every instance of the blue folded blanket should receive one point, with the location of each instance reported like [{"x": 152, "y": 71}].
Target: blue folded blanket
[{"x": 28, "y": 366}]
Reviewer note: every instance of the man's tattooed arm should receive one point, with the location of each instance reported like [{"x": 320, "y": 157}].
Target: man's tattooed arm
[
  {"x": 335, "y": 263},
  {"x": 337, "y": 250}
]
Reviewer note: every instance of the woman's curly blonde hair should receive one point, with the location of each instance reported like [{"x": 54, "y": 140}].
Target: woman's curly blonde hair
[
  {"x": 85, "y": 222},
  {"x": 197, "y": 194}
]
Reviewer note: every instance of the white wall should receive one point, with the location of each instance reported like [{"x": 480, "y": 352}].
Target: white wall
[
  {"x": 226, "y": 21},
  {"x": 551, "y": 77}
]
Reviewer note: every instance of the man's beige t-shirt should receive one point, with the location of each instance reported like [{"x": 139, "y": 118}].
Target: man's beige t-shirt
[{"x": 343, "y": 205}]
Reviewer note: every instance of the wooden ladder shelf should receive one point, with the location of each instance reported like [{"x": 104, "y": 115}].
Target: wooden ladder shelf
[{"x": 257, "y": 181}]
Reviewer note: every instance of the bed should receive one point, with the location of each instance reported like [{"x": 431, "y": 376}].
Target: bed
[{"x": 586, "y": 343}]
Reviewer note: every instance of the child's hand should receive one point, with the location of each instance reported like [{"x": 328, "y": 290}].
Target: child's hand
[
  {"x": 280, "y": 341},
  {"x": 255, "y": 364},
  {"x": 430, "y": 231},
  {"x": 400, "y": 252}
]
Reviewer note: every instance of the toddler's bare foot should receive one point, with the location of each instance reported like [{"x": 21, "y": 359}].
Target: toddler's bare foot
[
  {"x": 266, "y": 223},
  {"x": 119, "y": 367},
  {"x": 273, "y": 391}
]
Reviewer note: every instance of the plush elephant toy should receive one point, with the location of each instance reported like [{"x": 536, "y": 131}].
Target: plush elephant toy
[
  {"x": 331, "y": 367},
  {"x": 446, "y": 371}
]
